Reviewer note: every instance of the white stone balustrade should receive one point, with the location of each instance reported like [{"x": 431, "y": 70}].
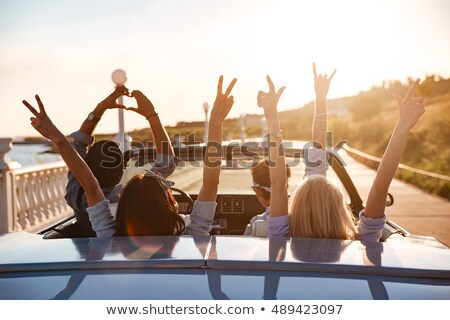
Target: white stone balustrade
[{"x": 31, "y": 198}]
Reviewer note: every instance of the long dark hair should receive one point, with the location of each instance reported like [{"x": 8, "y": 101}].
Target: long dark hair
[{"x": 146, "y": 208}]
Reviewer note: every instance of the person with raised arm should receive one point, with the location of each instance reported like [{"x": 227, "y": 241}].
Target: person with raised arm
[
  {"x": 42, "y": 123},
  {"x": 262, "y": 188},
  {"x": 105, "y": 158},
  {"x": 277, "y": 163},
  {"x": 410, "y": 111},
  {"x": 146, "y": 206},
  {"x": 316, "y": 157},
  {"x": 318, "y": 209},
  {"x": 206, "y": 200},
  {"x": 320, "y": 122},
  {"x": 373, "y": 217}
]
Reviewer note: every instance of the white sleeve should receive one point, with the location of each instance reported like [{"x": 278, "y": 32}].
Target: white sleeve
[
  {"x": 102, "y": 220},
  {"x": 202, "y": 216},
  {"x": 370, "y": 229},
  {"x": 279, "y": 226}
]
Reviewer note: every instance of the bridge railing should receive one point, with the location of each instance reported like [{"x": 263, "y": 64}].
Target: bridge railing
[
  {"x": 32, "y": 197},
  {"x": 413, "y": 173}
]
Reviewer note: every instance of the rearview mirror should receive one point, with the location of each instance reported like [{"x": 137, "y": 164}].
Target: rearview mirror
[{"x": 389, "y": 200}]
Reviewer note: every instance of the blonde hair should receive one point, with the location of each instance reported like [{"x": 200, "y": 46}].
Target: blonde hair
[{"x": 318, "y": 210}]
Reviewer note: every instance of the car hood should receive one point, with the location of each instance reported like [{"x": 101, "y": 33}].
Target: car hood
[
  {"x": 222, "y": 267},
  {"x": 414, "y": 256}
]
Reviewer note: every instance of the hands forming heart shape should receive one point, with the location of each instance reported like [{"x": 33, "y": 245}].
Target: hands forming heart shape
[{"x": 144, "y": 105}]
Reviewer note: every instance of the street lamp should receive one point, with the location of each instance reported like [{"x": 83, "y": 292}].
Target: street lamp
[
  {"x": 242, "y": 127},
  {"x": 119, "y": 77},
  {"x": 206, "y": 108}
]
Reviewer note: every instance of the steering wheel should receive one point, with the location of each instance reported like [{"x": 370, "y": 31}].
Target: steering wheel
[{"x": 187, "y": 202}]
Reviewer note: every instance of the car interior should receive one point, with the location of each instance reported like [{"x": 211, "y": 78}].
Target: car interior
[{"x": 235, "y": 206}]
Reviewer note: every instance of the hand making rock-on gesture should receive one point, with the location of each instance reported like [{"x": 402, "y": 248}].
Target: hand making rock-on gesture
[
  {"x": 322, "y": 82},
  {"x": 320, "y": 123},
  {"x": 269, "y": 100}
]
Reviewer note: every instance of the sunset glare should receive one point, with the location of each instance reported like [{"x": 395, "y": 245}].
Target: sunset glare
[{"x": 174, "y": 51}]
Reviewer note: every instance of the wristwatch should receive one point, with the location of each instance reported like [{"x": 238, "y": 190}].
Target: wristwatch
[{"x": 92, "y": 117}]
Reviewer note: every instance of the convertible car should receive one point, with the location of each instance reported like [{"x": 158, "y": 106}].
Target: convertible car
[{"x": 57, "y": 264}]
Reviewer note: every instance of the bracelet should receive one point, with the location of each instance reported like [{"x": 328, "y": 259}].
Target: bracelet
[{"x": 152, "y": 115}]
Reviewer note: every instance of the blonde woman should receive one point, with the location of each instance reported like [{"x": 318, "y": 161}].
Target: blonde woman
[{"x": 318, "y": 209}]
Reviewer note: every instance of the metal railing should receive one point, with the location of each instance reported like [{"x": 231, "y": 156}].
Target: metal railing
[
  {"x": 375, "y": 161},
  {"x": 32, "y": 197},
  {"x": 40, "y": 194}
]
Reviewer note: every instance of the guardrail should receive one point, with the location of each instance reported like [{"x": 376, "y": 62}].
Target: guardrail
[
  {"x": 31, "y": 198},
  {"x": 373, "y": 162}
]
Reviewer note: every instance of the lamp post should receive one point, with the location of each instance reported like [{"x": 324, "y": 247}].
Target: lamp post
[
  {"x": 205, "y": 135},
  {"x": 242, "y": 127},
  {"x": 119, "y": 77}
]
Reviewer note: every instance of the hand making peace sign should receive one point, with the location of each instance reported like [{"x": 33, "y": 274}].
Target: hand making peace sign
[
  {"x": 223, "y": 103},
  {"x": 410, "y": 108},
  {"x": 41, "y": 121}
]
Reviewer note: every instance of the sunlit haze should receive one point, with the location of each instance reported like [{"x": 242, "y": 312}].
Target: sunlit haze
[{"x": 174, "y": 51}]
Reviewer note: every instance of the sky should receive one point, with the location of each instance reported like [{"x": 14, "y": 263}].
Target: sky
[{"x": 174, "y": 51}]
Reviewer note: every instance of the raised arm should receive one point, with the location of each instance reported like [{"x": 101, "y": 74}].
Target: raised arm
[
  {"x": 320, "y": 122},
  {"x": 411, "y": 109},
  {"x": 213, "y": 155},
  {"x": 88, "y": 126},
  {"x": 82, "y": 140},
  {"x": 42, "y": 123},
  {"x": 277, "y": 163},
  {"x": 146, "y": 109},
  {"x": 202, "y": 214}
]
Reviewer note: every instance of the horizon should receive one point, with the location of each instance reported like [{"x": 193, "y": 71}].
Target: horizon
[
  {"x": 236, "y": 118},
  {"x": 174, "y": 53}
]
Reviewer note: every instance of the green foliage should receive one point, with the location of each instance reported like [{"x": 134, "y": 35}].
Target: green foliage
[
  {"x": 428, "y": 145},
  {"x": 365, "y": 106}
]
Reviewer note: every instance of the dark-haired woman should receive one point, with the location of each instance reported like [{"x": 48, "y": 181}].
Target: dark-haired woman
[
  {"x": 262, "y": 188},
  {"x": 105, "y": 159}
]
